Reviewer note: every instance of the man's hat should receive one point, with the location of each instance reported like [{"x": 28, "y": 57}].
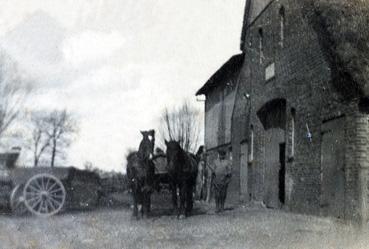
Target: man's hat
[{"x": 222, "y": 153}]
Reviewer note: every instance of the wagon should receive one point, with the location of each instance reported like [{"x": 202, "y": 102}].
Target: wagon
[
  {"x": 45, "y": 191},
  {"x": 162, "y": 177}
]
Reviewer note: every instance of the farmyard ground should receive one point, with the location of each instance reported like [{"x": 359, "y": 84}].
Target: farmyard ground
[{"x": 238, "y": 228}]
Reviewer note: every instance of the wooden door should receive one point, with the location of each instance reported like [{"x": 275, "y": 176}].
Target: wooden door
[
  {"x": 332, "y": 169},
  {"x": 243, "y": 171},
  {"x": 249, "y": 182},
  {"x": 273, "y": 139}
]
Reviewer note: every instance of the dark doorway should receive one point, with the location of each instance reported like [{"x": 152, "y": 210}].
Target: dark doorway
[
  {"x": 282, "y": 172},
  {"x": 249, "y": 181},
  {"x": 273, "y": 117}
]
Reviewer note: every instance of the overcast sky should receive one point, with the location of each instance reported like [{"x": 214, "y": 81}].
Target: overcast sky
[{"x": 117, "y": 63}]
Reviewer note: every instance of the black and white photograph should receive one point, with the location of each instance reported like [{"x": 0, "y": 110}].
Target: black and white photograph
[{"x": 170, "y": 124}]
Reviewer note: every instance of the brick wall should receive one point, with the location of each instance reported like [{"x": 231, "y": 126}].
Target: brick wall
[
  {"x": 218, "y": 109},
  {"x": 303, "y": 78},
  {"x": 219, "y": 106}
]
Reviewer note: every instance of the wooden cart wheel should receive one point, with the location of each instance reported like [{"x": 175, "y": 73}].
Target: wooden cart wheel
[
  {"x": 44, "y": 195},
  {"x": 17, "y": 201}
]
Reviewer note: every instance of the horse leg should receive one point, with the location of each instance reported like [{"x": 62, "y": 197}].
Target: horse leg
[
  {"x": 182, "y": 199},
  {"x": 174, "y": 197},
  {"x": 218, "y": 201},
  {"x": 221, "y": 199},
  {"x": 149, "y": 203},
  {"x": 145, "y": 204},
  {"x": 134, "y": 193},
  {"x": 192, "y": 189},
  {"x": 224, "y": 196},
  {"x": 135, "y": 208},
  {"x": 217, "y": 198},
  {"x": 189, "y": 199},
  {"x": 141, "y": 202}
]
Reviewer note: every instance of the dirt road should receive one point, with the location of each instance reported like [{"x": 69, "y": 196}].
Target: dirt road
[{"x": 239, "y": 228}]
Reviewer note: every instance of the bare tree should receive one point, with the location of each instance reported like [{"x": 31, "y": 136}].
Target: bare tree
[
  {"x": 61, "y": 126},
  {"x": 88, "y": 165},
  {"x": 182, "y": 124},
  {"x": 52, "y": 133},
  {"x": 14, "y": 89},
  {"x": 40, "y": 141}
]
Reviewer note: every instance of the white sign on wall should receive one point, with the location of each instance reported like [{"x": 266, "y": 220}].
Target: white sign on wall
[{"x": 270, "y": 71}]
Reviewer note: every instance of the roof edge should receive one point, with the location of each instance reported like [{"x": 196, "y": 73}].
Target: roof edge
[{"x": 233, "y": 64}]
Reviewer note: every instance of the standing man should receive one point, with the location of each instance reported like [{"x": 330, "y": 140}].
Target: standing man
[{"x": 221, "y": 177}]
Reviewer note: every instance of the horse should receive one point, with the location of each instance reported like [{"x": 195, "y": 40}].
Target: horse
[
  {"x": 182, "y": 171},
  {"x": 140, "y": 173}
]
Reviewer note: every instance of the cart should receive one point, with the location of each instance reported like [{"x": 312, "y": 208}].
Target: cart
[{"x": 46, "y": 191}]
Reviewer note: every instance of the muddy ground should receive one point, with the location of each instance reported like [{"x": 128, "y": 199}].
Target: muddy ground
[{"x": 242, "y": 227}]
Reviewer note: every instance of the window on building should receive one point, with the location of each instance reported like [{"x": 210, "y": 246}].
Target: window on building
[
  {"x": 292, "y": 132},
  {"x": 261, "y": 53},
  {"x": 364, "y": 105},
  {"x": 270, "y": 71},
  {"x": 251, "y": 156},
  {"x": 230, "y": 154},
  {"x": 229, "y": 87},
  {"x": 222, "y": 155},
  {"x": 282, "y": 20}
]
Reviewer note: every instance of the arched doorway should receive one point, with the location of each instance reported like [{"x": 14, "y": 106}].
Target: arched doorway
[{"x": 273, "y": 117}]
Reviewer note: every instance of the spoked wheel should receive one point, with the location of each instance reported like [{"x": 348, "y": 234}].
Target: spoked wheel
[
  {"x": 17, "y": 201},
  {"x": 44, "y": 195}
]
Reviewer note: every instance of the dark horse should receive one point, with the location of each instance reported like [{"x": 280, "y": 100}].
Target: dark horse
[
  {"x": 182, "y": 170},
  {"x": 140, "y": 173}
]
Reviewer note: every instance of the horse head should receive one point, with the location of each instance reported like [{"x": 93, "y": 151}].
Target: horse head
[
  {"x": 146, "y": 148},
  {"x": 174, "y": 154}
]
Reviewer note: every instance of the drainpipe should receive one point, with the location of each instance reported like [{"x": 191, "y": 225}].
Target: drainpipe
[{"x": 362, "y": 131}]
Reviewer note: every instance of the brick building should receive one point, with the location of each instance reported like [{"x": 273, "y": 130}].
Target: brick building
[
  {"x": 220, "y": 91},
  {"x": 299, "y": 126}
]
